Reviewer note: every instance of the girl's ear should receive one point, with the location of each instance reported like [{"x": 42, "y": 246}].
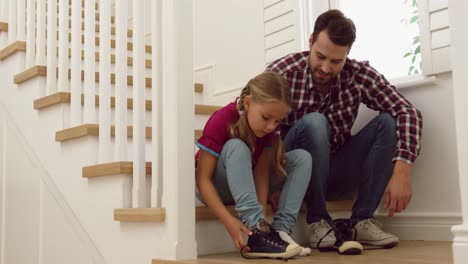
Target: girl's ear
[{"x": 247, "y": 102}]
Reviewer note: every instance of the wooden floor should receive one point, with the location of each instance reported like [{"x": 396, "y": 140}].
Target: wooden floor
[{"x": 408, "y": 252}]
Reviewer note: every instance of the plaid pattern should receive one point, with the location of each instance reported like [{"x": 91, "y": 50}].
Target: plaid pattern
[{"x": 357, "y": 83}]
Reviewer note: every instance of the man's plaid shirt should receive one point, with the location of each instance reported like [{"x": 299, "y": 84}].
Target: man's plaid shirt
[{"x": 357, "y": 82}]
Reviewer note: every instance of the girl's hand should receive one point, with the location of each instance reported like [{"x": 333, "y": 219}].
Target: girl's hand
[
  {"x": 235, "y": 229},
  {"x": 273, "y": 200}
]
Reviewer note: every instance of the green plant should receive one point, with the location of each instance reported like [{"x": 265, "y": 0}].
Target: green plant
[{"x": 414, "y": 54}]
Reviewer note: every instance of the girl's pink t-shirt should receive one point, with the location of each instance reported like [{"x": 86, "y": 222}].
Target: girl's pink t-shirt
[{"x": 216, "y": 133}]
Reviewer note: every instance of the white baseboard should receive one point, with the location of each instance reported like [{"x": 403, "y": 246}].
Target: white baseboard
[
  {"x": 460, "y": 244},
  {"x": 421, "y": 226}
]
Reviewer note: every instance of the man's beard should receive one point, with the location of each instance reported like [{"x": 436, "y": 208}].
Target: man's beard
[{"x": 320, "y": 80}]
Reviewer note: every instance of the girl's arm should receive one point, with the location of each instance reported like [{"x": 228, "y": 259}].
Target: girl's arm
[
  {"x": 205, "y": 169},
  {"x": 262, "y": 178}
]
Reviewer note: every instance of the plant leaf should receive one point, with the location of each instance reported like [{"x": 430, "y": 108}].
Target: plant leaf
[
  {"x": 414, "y": 19},
  {"x": 417, "y": 50},
  {"x": 414, "y": 58},
  {"x": 407, "y": 54}
]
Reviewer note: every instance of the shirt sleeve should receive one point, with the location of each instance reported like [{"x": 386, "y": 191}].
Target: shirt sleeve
[
  {"x": 378, "y": 94},
  {"x": 215, "y": 134}
]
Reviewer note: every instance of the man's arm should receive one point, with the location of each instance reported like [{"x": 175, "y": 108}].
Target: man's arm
[
  {"x": 398, "y": 192},
  {"x": 380, "y": 95}
]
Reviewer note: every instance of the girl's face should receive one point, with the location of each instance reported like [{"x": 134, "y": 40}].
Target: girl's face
[{"x": 264, "y": 118}]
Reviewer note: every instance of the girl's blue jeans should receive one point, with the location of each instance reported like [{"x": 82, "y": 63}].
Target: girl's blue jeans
[
  {"x": 234, "y": 182},
  {"x": 363, "y": 164}
]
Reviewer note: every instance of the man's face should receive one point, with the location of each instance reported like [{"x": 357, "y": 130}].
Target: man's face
[{"x": 326, "y": 58}]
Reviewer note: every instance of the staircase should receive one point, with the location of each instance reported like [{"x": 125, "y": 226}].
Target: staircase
[{"x": 128, "y": 189}]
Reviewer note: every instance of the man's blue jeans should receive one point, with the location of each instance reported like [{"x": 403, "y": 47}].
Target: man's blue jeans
[
  {"x": 363, "y": 164},
  {"x": 234, "y": 182}
]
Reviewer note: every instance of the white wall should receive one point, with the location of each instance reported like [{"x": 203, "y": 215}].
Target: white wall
[
  {"x": 435, "y": 206},
  {"x": 35, "y": 226},
  {"x": 228, "y": 46}
]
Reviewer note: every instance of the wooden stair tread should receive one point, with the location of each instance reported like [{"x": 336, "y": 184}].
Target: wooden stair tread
[
  {"x": 111, "y": 168},
  {"x": 97, "y": 58},
  {"x": 3, "y": 27},
  {"x": 90, "y": 130},
  {"x": 97, "y": 29},
  {"x": 140, "y": 215},
  {"x": 12, "y": 49},
  {"x": 21, "y": 46},
  {"x": 41, "y": 70},
  {"x": 93, "y": 130},
  {"x": 202, "y": 213},
  {"x": 148, "y": 48},
  {"x": 64, "y": 98}
]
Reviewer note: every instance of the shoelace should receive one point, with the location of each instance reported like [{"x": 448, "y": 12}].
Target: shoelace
[{"x": 342, "y": 229}]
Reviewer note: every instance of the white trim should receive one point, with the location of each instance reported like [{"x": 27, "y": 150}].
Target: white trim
[
  {"x": 460, "y": 243},
  {"x": 421, "y": 226},
  {"x": 3, "y": 185},
  {"x": 54, "y": 191},
  {"x": 412, "y": 81}
]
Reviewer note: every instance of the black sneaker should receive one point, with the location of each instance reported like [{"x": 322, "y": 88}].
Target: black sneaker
[
  {"x": 265, "y": 242},
  {"x": 345, "y": 243}
]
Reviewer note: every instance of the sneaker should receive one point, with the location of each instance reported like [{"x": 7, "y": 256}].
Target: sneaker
[
  {"x": 265, "y": 242},
  {"x": 369, "y": 232},
  {"x": 305, "y": 251},
  {"x": 326, "y": 236}
]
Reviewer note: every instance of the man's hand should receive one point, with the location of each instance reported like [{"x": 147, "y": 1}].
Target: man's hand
[
  {"x": 235, "y": 229},
  {"x": 398, "y": 192}
]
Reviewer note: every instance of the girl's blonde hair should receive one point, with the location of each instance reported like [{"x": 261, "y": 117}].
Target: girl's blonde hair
[{"x": 264, "y": 88}]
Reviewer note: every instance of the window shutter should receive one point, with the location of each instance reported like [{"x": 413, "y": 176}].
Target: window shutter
[
  {"x": 435, "y": 36},
  {"x": 282, "y": 28}
]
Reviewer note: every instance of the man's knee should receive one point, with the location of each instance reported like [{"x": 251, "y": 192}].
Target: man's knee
[
  {"x": 316, "y": 123},
  {"x": 387, "y": 123}
]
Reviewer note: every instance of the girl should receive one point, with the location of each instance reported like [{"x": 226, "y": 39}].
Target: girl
[{"x": 238, "y": 146}]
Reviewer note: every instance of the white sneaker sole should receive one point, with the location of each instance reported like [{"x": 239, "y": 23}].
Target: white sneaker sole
[{"x": 285, "y": 255}]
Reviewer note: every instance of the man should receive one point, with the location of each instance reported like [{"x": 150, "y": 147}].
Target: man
[{"x": 327, "y": 89}]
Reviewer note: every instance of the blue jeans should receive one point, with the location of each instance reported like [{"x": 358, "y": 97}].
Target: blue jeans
[
  {"x": 234, "y": 182},
  {"x": 363, "y": 164}
]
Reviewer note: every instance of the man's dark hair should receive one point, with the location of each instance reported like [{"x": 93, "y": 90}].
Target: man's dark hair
[{"x": 341, "y": 30}]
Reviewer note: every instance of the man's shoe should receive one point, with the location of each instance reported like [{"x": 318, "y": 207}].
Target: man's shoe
[
  {"x": 369, "y": 232},
  {"x": 335, "y": 235},
  {"x": 265, "y": 242},
  {"x": 321, "y": 235}
]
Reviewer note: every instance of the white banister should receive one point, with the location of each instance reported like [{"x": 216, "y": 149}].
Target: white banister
[
  {"x": 156, "y": 102},
  {"x": 63, "y": 83},
  {"x": 12, "y": 21},
  {"x": 459, "y": 61},
  {"x": 21, "y": 20},
  {"x": 90, "y": 63},
  {"x": 139, "y": 169},
  {"x": 178, "y": 128},
  {"x": 51, "y": 47},
  {"x": 4, "y": 10},
  {"x": 75, "y": 85},
  {"x": 121, "y": 80},
  {"x": 104, "y": 83},
  {"x": 41, "y": 33},
  {"x": 31, "y": 34}
]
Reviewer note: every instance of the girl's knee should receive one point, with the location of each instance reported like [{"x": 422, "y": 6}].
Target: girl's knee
[{"x": 235, "y": 144}]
